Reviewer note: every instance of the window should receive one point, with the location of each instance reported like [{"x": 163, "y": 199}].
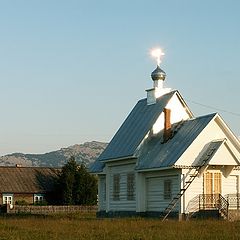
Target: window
[
  {"x": 8, "y": 199},
  {"x": 116, "y": 187},
  {"x": 102, "y": 193},
  {"x": 130, "y": 186},
  {"x": 167, "y": 189},
  {"x": 104, "y": 189},
  {"x": 38, "y": 198}
]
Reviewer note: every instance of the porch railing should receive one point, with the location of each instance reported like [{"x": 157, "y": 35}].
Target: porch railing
[
  {"x": 223, "y": 206},
  {"x": 233, "y": 200},
  {"x": 208, "y": 202}
]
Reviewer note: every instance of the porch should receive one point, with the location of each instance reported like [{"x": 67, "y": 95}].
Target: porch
[{"x": 214, "y": 205}]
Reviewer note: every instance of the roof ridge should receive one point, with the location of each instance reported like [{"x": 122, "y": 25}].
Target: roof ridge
[{"x": 171, "y": 92}]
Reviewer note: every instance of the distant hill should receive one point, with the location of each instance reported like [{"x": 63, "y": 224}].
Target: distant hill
[{"x": 84, "y": 153}]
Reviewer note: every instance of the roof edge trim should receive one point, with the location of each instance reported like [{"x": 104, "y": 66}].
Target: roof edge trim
[
  {"x": 190, "y": 113},
  {"x": 154, "y": 169},
  {"x": 225, "y": 125},
  {"x": 119, "y": 159}
]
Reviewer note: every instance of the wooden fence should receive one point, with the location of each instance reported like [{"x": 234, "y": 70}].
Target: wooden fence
[{"x": 51, "y": 209}]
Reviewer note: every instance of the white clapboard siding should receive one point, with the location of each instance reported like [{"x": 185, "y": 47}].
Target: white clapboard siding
[
  {"x": 230, "y": 191},
  {"x": 195, "y": 188},
  {"x": 155, "y": 193},
  {"x": 229, "y": 185},
  {"x": 122, "y": 204},
  {"x": 217, "y": 133},
  {"x": 178, "y": 113},
  {"x": 102, "y": 193}
]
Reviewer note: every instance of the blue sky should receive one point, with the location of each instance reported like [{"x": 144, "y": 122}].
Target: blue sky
[{"x": 71, "y": 71}]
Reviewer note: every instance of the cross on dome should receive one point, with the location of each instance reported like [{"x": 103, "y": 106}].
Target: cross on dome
[
  {"x": 157, "y": 53},
  {"x": 158, "y": 73}
]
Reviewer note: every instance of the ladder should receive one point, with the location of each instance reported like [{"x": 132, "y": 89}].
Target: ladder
[{"x": 204, "y": 159}]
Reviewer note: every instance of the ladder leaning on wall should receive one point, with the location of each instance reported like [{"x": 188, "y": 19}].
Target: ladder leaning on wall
[{"x": 204, "y": 160}]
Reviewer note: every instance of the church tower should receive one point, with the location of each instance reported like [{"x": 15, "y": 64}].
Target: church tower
[{"x": 158, "y": 76}]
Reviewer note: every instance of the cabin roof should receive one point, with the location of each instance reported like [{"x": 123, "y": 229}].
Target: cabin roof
[
  {"x": 156, "y": 154},
  {"x": 27, "y": 179},
  {"x": 134, "y": 128},
  {"x": 97, "y": 166}
]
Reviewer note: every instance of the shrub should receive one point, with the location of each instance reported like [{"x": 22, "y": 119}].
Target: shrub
[{"x": 21, "y": 202}]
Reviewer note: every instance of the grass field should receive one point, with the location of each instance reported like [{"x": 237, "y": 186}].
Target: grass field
[{"x": 88, "y": 227}]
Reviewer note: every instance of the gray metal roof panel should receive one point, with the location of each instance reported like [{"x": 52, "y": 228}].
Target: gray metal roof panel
[
  {"x": 134, "y": 129},
  {"x": 209, "y": 152},
  {"x": 155, "y": 154},
  {"x": 97, "y": 167}
]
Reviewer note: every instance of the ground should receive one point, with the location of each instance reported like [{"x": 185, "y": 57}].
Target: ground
[{"x": 88, "y": 227}]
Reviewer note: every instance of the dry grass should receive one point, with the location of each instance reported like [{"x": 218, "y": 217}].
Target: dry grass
[{"x": 88, "y": 227}]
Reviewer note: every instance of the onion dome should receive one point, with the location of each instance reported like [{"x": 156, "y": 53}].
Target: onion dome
[{"x": 158, "y": 74}]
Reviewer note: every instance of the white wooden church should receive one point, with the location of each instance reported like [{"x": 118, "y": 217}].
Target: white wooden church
[{"x": 164, "y": 161}]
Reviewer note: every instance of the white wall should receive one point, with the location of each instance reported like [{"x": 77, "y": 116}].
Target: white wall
[
  {"x": 154, "y": 191},
  {"x": 230, "y": 185},
  {"x": 224, "y": 160},
  {"x": 223, "y": 156},
  {"x": 101, "y": 192},
  {"x": 178, "y": 113},
  {"x": 195, "y": 150},
  {"x": 123, "y": 204},
  {"x": 195, "y": 188}
]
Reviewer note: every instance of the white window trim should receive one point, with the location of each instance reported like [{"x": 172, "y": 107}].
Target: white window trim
[
  {"x": 7, "y": 198},
  {"x": 130, "y": 186},
  {"x": 167, "y": 192},
  {"x": 116, "y": 187},
  {"x": 104, "y": 190},
  {"x": 38, "y": 197}
]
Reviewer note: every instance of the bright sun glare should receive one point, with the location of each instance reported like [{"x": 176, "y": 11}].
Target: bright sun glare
[{"x": 157, "y": 53}]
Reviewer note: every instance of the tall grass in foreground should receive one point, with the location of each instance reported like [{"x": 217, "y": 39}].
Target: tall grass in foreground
[{"x": 88, "y": 227}]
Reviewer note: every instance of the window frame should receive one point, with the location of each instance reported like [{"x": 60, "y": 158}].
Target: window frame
[
  {"x": 6, "y": 197},
  {"x": 167, "y": 189},
  {"x": 130, "y": 186},
  {"x": 38, "y": 198},
  {"x": 116, "y": 187},
  {"x": 104, "y": 190}
]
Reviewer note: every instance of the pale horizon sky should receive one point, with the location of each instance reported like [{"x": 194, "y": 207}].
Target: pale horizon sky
[{"x": 71, "y": 71}]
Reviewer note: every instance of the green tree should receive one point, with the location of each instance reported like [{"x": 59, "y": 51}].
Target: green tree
[{"x": 77, "y": 186}]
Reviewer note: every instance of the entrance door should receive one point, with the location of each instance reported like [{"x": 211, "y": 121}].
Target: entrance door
[
  {"x": 217, "y": 180},
  {"x": 212, "y": 188}
]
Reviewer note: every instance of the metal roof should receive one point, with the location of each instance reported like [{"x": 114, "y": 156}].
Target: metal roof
[
  {"x": 135, "y": 128},
  {"x": 210, "y": 151},
  {"x": 96, "y": 167},
  {"x": 156, "y": 154}
]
